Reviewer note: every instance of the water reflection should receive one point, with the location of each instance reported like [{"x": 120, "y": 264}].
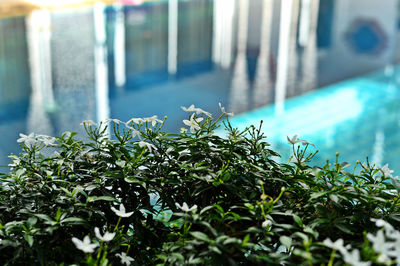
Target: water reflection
[
  {"x": 223, "y": 26},
  {"x": 308, "y": 42},
  {"x": 239, "y": 101},
  {"x": 38, "y": 25},
  {"x": 292, "y": 74},
  {"x": 119, "y": 47},
  {"x": 263, "y": 83}
]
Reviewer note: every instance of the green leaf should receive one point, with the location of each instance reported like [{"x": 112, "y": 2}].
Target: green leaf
[
  {"x": 334, "y": 198},
  {"x": 206, "y": 209},
  {"x": 318, "y": 194},
  {"x": 344, "y": 228},
  {"x": 31, "y": 221},
  {"x": 29, "y": 239},
  {"x": 298, "y": 220},
  {"x": 178, "y": 256},
  {"x": 245, "y": 240},
  {"x": 286, "y": 241},
  {"x": 44, "y": 217},
  {"x": 73, "y": 220},
  {"x": 106, "y": 198},
  {"x": 20, "y": 172},
  {"x": 58, "y": 214},
  {"x": 215, "y": 249},
  {"x": 200, "y": 236}
]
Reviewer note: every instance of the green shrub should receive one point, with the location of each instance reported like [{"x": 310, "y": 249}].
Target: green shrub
[{"x": 190, "y": 198}]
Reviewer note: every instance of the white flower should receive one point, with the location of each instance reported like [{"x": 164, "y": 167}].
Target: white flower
[
  {"x": 116, "y": 121},
  {"x": 121, "y": 212},
  {"x": 120, "y": 163},
  {"x": 88, "y": 123},
  {"x": 396, "y": 252},
  {"x": 305, "y": 142},
  {"x": 382, "y": 258},
  {"x": 106, "y": 237},
  {"x": 16, "y": 161},
  {"x": 86, "y": 245},
  {"x": 135, "y": 132},
  {"x": 382, "y": 223},
  {"x": 338, "y": 245},
  {"x": 378, "y": 242},
  {"x": 47, "y": 140},
  {"x": 193, "y": 123},
  {"x": 184, "y": 152},
  {"x": 223, "y": 110},
  {"x": 293, "y": 140},
  {"x": 27, "y": 140},
  {"x": 194, "y": 109},
  {"x": 135, "y": 120},
  {"x": 146, "y": 144},
  {"x": 185, "y": 207},
  {"x": 353, "y": 258},
  {"x": 153, "y": 120},
  {"x": 189, "y": 109},
  {"x": 124, "y": 258},
  {"x": 267, "y": 224},
  {"x": 386, "y": 171},
  {"x": 183, "y": 130}
]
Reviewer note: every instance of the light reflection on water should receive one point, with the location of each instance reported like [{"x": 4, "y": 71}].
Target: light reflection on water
[
  {"x": 57, "y": 69},
  {"x": 358, "y": 118}
]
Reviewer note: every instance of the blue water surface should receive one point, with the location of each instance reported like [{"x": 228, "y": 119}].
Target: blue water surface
[{"x": 358, "y": 118}]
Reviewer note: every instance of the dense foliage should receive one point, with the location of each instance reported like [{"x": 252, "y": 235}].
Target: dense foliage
[{"x": 191, "y": 198}]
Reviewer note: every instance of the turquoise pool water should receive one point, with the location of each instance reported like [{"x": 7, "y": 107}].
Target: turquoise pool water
[{"x": 357, "y": 118}]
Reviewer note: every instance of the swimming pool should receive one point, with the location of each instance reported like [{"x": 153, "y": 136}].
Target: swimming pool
[{"x": 358, "y": 118}]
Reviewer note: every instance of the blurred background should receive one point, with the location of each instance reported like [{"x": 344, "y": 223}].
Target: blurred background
[{"x": 325, "y": 70}]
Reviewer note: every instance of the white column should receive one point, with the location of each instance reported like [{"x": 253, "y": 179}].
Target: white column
[
  {"x": 38, "y": 25},
  {"x": 119, "y": 46},
  {"x": 240, "y": 82},
  {"x": 100, "y": 57},
  {"x": 263, "y": 83},
  {"x": 283, "y": 54},
  {"x": 172, "y": 36}
]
